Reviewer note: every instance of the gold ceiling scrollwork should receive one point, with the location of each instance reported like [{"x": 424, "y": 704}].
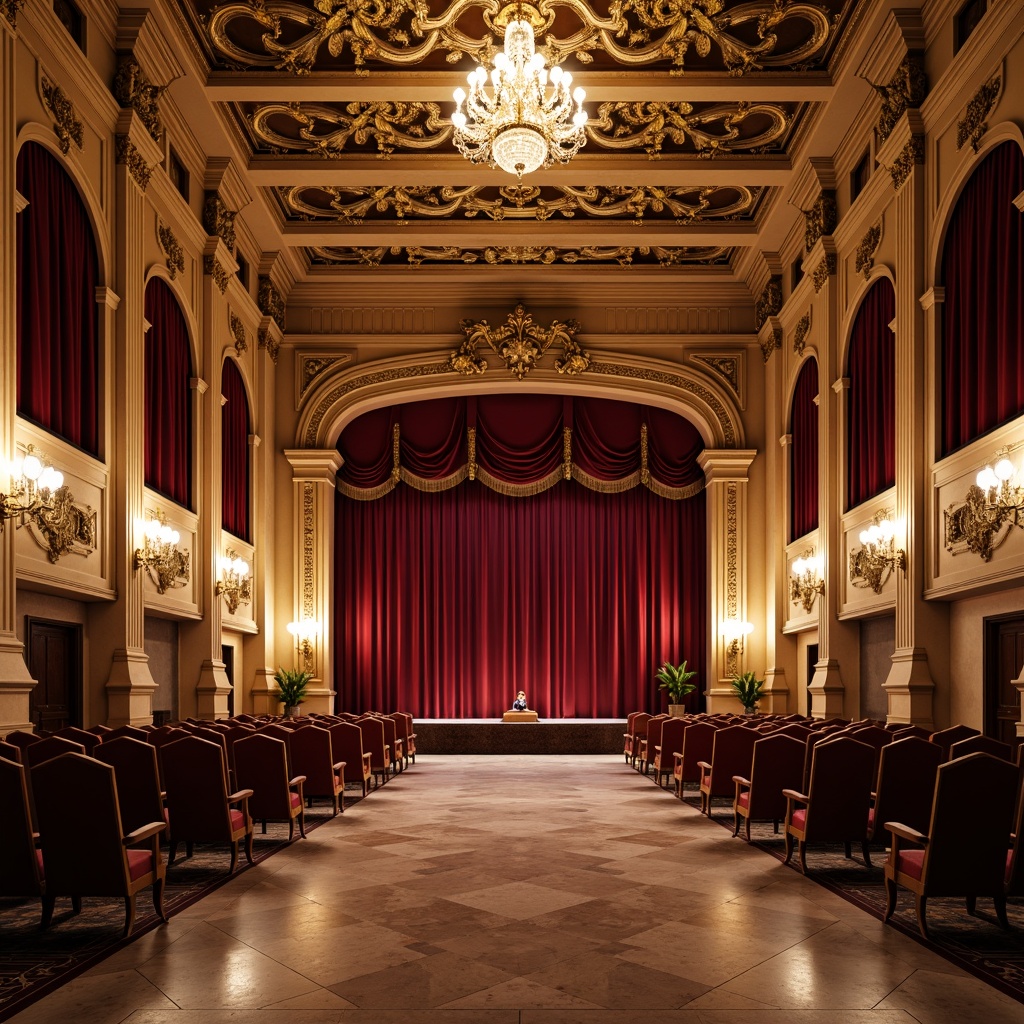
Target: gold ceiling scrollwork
[
  {"x": 299, "y": 38},
  {"x": 687, "y": 204},
  {"x": 520, "y": 343},
  {"x": 328, "y": 130},
  {"x": 623, "y": 255}
]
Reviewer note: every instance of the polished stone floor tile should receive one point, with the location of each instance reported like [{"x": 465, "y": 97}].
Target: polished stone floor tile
[{"x": 523, "y": 890}]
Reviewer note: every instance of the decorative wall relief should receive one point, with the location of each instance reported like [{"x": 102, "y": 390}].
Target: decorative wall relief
[
  {"x": 133, "y": 90},
  {"x": 174, "y": 255},
  {"x": 865, "y": 258},
  {"x": 66, "y": 125},
  {"x": 67, "y": 528},
  {"x": 973, "y": 125}
]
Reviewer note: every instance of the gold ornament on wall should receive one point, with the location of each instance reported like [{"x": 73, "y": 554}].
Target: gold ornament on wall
[
  {"x": 219, "y": 220},
  {"x": 878, "y": 558},
  {"x": 905, "y": 91},
  {"x": 973, "y": 125},
  {"x": 865, "y": 258},
  {"x": 909, "y": 156},
  {"x": 807, "y": 580},
  {"x": 821, "y": 219},
  {"x": 66, "y": 125},
  {"x": 270, "y": 302},
  {"x": 133, "y": 90},
  {"x": 159, "y": 556},
  {"x": 213, "y": 267},
  {"x": 126, "y": 153},
  {"x": 769, "y": 302},
  {"x": 991, "y": 508},
  {"x": 238, "y": 332},
  {"x": 174, "y": 255},
  {"x": 520, "y": 343}
]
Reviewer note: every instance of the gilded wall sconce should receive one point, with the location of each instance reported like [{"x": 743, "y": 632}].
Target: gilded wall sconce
[
  {"x": 873, "y": 564},
  {"x": 32, "y": 490},
  {"x": 807, "y": 580},
  {"x": 991, "y": 507},
  {"x": 305, "y": 631},
  {"x": 159, "y": 556},
  {"x": 235, "y": 583}
]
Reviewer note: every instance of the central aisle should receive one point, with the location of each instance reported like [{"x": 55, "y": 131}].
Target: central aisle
[{"x": 522, "y": 890}]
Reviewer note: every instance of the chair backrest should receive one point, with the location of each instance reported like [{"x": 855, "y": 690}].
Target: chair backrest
[
  {"x": 654, "y": 730},
  {"x": 842, "y": 774},
  {"x": 19, "y": 865},
  {"x": 373, "y": 740},
  {"x": 901, "y": 731},
  {"x": 261, "y": 764},
  {"x": 698, "y": 742},
  {"x": 80, "y": 827},
  {"x": 127, "y": 730},
  {"x": 796, "y": 732},
  {"x": 21, "y": 739},
  {"x": 390, "y": 734},
  {"x": 10, "y": 752},
  {"x": 89, "y": 740},
  {"x": 639, "y": 729},
  {"x": 972, "y": 817},
  {"x": 99, "y": 730},
  {"x": 138, "y": 780},
  {"x": 165, "y": 735},
  {"x": 875, "y": 737},
  {"x": 906, "y": 784},
  {"x": 982, "y": 745},
  {"x": 194, "y": 775},
  {"x": 347, "y": 746},
  {"x": 778, "y": 764},
  {"x": 50, "y": 747},
  {"x": 401, "y": 727},
  {"x": 945, "y": 738},
  {"x": 671, "y": 741},
  {"x": 731, "y": 754},
  {"x": 313, "y": 756}
]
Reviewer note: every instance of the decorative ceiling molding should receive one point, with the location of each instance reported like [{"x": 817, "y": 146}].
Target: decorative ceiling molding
[
  {"x": 704, "y": 34},
  {"x": 330, "y": 130},
  {"x": 351, "y": 204},
  {"x": 519, "y": 254}
]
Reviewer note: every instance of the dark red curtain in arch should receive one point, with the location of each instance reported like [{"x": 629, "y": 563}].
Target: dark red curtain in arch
[
  {"x": 450, "y": 600},
  {"x": 234, "y": 441},
  {"x": 982, "y": 361},
  {"x": 803, "y": 453},
  {"x": 871, "y": 418},
  {"x": 168, "y": 396},
  {"x": 58, "y": 318}
]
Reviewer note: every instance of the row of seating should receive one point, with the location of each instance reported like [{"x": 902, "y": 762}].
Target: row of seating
[
  {"x": 840, "y": 782},
  {"x": 195, "y": 781}
]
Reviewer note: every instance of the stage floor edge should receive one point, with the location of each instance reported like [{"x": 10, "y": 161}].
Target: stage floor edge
[{"x": 493, "y": 736}]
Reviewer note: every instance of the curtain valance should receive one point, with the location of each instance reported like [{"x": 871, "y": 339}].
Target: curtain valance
[{"x": 520, "y": 445}]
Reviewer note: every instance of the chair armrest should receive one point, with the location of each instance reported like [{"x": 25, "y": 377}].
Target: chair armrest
[
  {"x": 897, "y": 828},
  {"x": 297, "y": 781},
  {"x": 704, "y": 766},
  {"x": 242, "y": 794},
  {"x": 677, "y": 757},
  {"x": 144, "y": 832},
  {"x": 657, "y": 749},
  {"x": 339, "y": 766},
  {"x": 792, "y": 794},
  {"x": 740, "y": 781}
]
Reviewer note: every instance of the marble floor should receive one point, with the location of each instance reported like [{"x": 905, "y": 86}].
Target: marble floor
[{"x": 522, "y": 890}]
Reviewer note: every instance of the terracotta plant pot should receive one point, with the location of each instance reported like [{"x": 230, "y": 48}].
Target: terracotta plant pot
[{"x": 677, "y": 710}]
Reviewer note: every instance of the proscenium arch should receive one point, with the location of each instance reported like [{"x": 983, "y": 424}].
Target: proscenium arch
[{"x": 349, "y": 392}]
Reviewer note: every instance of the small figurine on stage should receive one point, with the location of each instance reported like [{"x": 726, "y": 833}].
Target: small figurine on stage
[{"x": 519, "y": 704}]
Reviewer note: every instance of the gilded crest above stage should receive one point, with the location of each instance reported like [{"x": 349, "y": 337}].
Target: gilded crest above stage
[{"x": 695, "y": 108}]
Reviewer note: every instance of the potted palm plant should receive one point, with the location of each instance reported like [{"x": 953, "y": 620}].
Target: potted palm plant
[
  {"x": 675, "y": 679},
  {"x": 748, "y": 690},
  {"x": 291, "y": 689}
]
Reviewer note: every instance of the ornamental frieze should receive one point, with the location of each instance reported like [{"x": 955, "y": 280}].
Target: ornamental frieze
[
  {"x": 353, "y": 204},
  {"x": 332, "y": 34},
  {"x": 213, "y": 267},
  {"x": 545, "y": 255}
]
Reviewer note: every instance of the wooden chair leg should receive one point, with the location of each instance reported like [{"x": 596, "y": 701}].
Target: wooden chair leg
[
  {"x": 302, "y": 824},
  {"x": 922, "y": 922},
  {"x": 748, "y": 828},
  {"x": 158, "y": 899},
  {"x": 291, "y": 828},
  {"x": 848, "y": 847},
  {"x": 890, "y": 897},
  {"x": 789, "y": 847},
  {"x": 48, "y": 904},
  {"x": 171, "y": 853},
  {"x": 234, "y": 858},
  {"x": 1000, "y": 902},
  {"x": 248, "y": 847},
  {"x": 735, "y": 823},
  {"x": 803, "y": 856},
  {"x": 866, "y": 850},
  {"x": 129, "y": 916}
]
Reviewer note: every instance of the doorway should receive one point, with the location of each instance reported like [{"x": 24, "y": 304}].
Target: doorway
[
  {"x": 227, "y": 655},
  {"x": 54, "y": 655},
  {"x": 1004, "y": 658}
]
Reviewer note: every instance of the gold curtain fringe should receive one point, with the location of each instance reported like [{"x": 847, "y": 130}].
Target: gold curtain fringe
[
  {"x": 444, "y": 483},
  {"x": 674, "y": 493},
  {"x": 368, "y": 493},
  {"x": 593, "y": 483},
  {"x": 519, "y": 490}
]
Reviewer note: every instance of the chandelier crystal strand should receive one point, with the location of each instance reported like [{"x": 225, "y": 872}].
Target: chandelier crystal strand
[{"x": 520, "y": 124}]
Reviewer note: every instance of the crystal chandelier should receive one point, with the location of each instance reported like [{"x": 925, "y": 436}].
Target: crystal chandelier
[{"x": 526, "y": 119}]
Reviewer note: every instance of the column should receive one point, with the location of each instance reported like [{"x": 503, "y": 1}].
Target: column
[
  {"x": 313, "y": 474},
  {"x": 725, "y": 475},
  {"x": 921, "y": 656},
  {"x": 117, "y": 629},
  {"x": 15, "y": 682}
]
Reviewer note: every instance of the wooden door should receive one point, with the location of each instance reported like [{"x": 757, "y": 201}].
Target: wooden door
[
  {"x": 227, "y": 654},
  {"x": 54, "y": 654},
  {"x": 1004, "y": 659}
]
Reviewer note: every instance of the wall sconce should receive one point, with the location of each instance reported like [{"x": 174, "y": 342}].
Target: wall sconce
[
  {"x": 304, "y": 631},
  {"x": 733, "y": 631},
  {"x": 995, "y": 500},
  {"x": 807, "y": 581},
  {"x": 874, "y": 563},
  {"x": 33, "y": 488},
  {"x": 167, "y": 566},
  {"x": 235, "y": 583}
]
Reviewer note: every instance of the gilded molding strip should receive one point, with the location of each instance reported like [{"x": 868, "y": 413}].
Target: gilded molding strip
[
  {"x": 403, "y": 32},
  {"x": 732, "y": 570},
  {"x": 308, "y": 546}
]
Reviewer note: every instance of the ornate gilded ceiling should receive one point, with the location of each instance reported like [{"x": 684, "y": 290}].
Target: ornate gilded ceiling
[{"x": 695, "y": 109}]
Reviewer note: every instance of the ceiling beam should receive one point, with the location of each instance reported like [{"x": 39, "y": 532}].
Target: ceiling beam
[{"x": 601, "y": 86}]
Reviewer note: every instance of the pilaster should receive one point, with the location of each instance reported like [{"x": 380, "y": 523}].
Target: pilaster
[
  {"x": 725, "y": 474},
  {"x": 313, "y": 475},
  {"x": 15, "y": 681},
  {"x": 117, "y": 630}
]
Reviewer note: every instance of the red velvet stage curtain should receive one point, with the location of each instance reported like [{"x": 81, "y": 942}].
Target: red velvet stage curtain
[
  {"x": 983, "y": 314},
  {"x": 234, "y": 440},
  {"x": 448, "y": 601},
  {"x": 57, "y": 315},
  {"x": 803, "y": 453},
  {"x": 168, "y": 396},
  {"x": 871, "y": 419}
]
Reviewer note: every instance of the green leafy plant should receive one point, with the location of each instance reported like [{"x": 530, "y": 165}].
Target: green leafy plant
[
  {"x": 748, "y": 689},
  {"x": 291, "y": 685},
  {"x": 675, "y": 679}
]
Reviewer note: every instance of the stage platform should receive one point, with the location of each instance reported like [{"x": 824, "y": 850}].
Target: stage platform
[{"x": 492, "y": 736}]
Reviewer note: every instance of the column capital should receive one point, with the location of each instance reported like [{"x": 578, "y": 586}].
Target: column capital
[
  {"x": 725, "y": 465},
  {"x": 315, "y": 465}
]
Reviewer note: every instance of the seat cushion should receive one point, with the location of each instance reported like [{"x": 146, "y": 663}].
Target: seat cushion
[
  {"x": 800, "y": 819},
  {"x": 295, "y": 799},
  {"x": 744, "y": 800},
  {"x": 871, "y": 818},
  {"x": 911, "y": 863},
  {"x": 140, "y": 862},
  {"x": 237, "y": 820},
  {"x": 42, "y": 874}
]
